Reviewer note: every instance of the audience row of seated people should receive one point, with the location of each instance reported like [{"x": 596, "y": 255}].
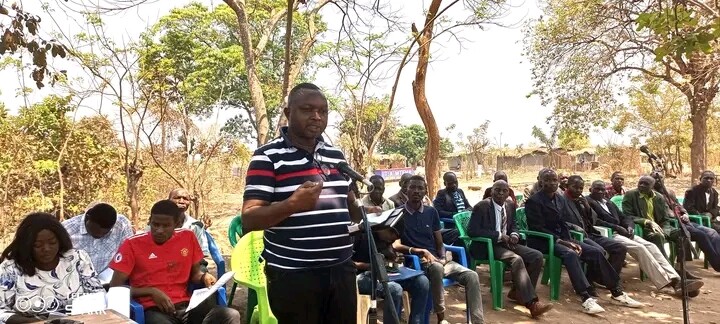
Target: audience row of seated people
[
  {"x": 49, "y": 263},
  {"x": 556, "y": 205}
]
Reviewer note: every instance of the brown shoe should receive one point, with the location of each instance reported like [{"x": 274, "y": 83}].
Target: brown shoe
[{"x": 537, "y": 308}]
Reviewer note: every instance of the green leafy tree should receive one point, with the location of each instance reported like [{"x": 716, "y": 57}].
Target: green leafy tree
[
  {"x": 572, "y": 139},
  {"x": 476, "y": 144},
  {"x": 584, "y": 52},
  {"x": 72, "y": 162},
  {"x": 259, "y": 26},
  {"x": 548, "y": 139},
  {"x": 410, "y": 142},
  {"x": 196, "y": 60},
  {"x": 361, "y": 128},
  {"x": 659, "y": 117}
]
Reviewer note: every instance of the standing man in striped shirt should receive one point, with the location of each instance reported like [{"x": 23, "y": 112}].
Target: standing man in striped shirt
[{"x": 295, "y": 194}]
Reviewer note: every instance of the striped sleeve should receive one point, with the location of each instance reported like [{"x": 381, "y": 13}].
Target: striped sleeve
[{"x": 260, "y": 178}]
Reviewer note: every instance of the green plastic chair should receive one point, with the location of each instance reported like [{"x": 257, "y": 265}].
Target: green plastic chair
[
  {"x": 235, "y": 233},
  {"x": 248, "y": 266},
  {"x": 617, "y": 200},
  {"x": 519, "y": 198},
  {"x": 497, "y": 267},
  {"x": 553, "y": 264},
  {"x": 235, "y": 230}
]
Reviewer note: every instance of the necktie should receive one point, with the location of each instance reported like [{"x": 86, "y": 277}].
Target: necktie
[{"x": 503, "y": 229}]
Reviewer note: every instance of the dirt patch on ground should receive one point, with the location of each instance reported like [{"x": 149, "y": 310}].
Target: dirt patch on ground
[{"x": 662, "y": 307}]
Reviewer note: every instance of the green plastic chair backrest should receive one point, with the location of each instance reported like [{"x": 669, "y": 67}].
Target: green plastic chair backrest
[
  {"x": 519, "y": 198},
  {"x": 617, "y": 200},
  {"x": 247, "y": 262},
  {"x": 235, "y": 230},
  {"x": 521, "y": 219},
  {"x": 461, "y": 222},
  {"x": 681, "y": 200}
]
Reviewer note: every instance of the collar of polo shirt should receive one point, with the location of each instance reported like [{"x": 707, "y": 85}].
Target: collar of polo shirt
[{"x": 283, "y": 132}]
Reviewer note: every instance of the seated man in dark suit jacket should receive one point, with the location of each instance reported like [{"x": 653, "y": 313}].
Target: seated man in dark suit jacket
[
  {"x": 451, "y": 200},
  {"x": 702, "y": 199},
  {"x": 494, "y": 218},
  {"x": 544, "y": 212},
  {"x": 582, "y": 219},
  {"x": 500, "y": 175}
]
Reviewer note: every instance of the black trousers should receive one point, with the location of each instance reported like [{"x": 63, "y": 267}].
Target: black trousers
[
  {"x": 599, "y": 269},
  {"x": 322, "y": 295},
  {"x": 525, "y": 266},
  {"x": 616, "y": 251},
  {"x": 206, "y": 313}
]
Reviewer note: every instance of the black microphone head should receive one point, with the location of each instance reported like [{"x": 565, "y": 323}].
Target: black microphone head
[{"x": 644, "y": 149}]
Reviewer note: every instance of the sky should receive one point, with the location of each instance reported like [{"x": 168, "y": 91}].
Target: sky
[{"x": 485, "y": 79}]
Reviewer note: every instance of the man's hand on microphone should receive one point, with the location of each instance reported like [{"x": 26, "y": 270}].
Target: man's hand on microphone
[{"x": 306, "y": 196}]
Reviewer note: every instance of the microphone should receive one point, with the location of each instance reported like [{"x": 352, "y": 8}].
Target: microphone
[
  {"x": 345, "y": 169},
  {"x": 645, "y": 150}
]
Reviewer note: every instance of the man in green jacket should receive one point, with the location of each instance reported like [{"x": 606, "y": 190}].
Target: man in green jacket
[{"x": 649, "y": 209}]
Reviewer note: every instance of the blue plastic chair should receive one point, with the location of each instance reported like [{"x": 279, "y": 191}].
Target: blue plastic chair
[
  {"x": 413, "y": 261},
  {"x": 137, "y": 313}
]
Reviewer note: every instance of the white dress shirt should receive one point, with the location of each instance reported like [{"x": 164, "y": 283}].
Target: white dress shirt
[{"x": 499, "y": 210}]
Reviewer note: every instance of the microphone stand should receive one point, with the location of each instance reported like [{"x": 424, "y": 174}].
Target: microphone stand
[
  {"x": 683, "y": 240},
  {"x": 378, "y": 273}
]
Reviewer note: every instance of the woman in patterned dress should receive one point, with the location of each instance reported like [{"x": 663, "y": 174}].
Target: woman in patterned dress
[{"x": 41, "y": 273}]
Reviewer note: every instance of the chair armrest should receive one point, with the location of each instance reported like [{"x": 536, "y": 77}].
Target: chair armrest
[
  {"x": 605, "y": 231},
  {"x": 412, "y": 261},
  {"x": 459, "y": 251},
  {"x": 550, "y": 239},
  {"x": 137, "y": 313},
  {"x": 638, "y": 230},
  {"x": 215, "y": 254},
  {"x": 488, "y": 245},
  {"x": 577, "y": 235},
  {"x": 703, "y": 220},
  {"x": 222, "y": 297}
]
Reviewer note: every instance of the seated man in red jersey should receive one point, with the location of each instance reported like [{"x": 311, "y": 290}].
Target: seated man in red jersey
[{"x": 159, "y": 264}]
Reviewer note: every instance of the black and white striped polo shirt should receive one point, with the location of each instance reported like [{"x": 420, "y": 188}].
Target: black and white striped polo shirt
[{"x": 312, "y": 239}]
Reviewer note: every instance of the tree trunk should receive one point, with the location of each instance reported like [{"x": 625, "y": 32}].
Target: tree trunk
[
  {"x": 293, "y": 68},
  {"x": 698, "y": 163},
  {"x": 286, "y": 67},
  {"x": 133, "y": 174},
  {"x": 432, "y": 151},
  {"x": 256, "y": 93}
]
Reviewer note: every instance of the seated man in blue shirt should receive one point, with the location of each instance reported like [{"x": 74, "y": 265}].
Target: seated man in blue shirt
[
  {"x": 420, "y": 234},
  {"x": 99, "y": 232},
  {"x": 418, "y": 286}
]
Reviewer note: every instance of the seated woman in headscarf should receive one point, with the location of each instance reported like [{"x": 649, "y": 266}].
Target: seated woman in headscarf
[{"x": 41, "y": 273}]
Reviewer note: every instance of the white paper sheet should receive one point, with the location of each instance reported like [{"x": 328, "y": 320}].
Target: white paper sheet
[
  {"x": 89, "y": 303},
  {"x": 105, "y": 276},
  {"x": 199, "y": 295},
  {"x": 118, "y": 299}
]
